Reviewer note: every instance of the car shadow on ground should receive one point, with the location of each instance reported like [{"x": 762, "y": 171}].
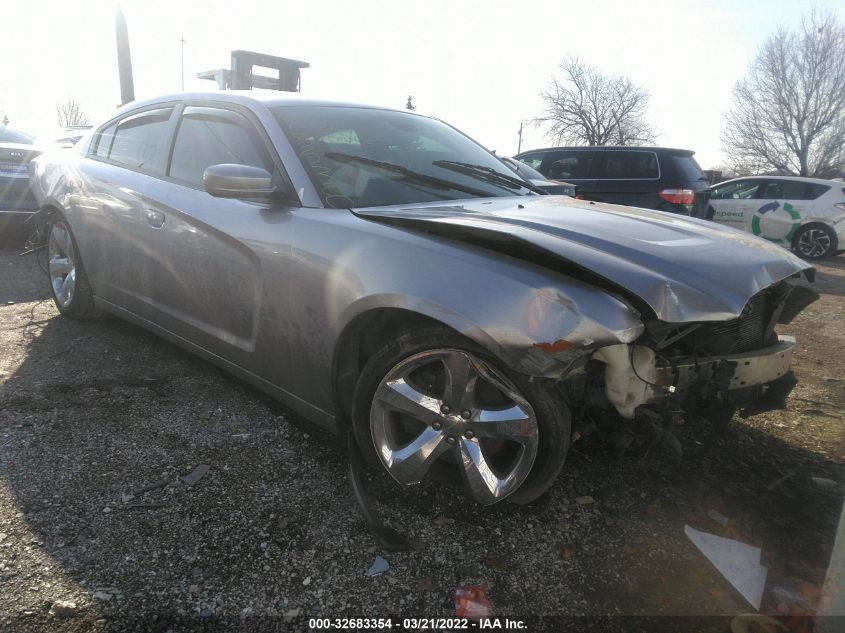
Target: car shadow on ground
[
  {"x": 101, "y": 421},
  {"x": 17, "y": 288},
  {"x": 829, "y": 275}
]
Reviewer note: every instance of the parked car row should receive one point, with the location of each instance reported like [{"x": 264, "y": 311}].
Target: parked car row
[
  {"x": 392, "y": 280},
  {"x": 648, "y": 177},
  {"x": 806, "y": 215}
]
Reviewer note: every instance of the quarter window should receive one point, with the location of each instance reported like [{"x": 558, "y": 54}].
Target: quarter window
[
  {"x": 817, "y": 190},
  {"x": 213, "y": 136},
  {"x": 139, "y": 139}
]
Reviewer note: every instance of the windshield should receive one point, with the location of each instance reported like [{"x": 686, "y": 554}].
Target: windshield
[{"x": 366, "y": 157}]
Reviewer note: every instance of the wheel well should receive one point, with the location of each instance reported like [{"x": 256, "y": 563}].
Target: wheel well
[
  {"x": 359, "y": 339},
  {"x": 44, "y": 217}
]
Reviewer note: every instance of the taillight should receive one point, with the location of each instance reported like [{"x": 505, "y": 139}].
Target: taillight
[{"x": 678, "y": 196}]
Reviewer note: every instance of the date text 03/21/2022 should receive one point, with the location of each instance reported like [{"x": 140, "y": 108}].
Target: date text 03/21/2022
[{"x": 416, "y": 624}]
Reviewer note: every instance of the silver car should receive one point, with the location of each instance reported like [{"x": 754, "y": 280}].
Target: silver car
[{"x": 381, "y": 273}]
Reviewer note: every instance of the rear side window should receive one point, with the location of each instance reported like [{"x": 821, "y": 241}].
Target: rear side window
[
  {"x": 630, "y": 165},
  {"x": 569, "y": 165},
  {"x": 138, "y": 140},
  {"x": 213, "y": 136}
]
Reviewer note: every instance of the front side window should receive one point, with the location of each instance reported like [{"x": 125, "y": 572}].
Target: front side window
[
  {"x": 366, "y": 157},
  {"x": 569, "y": 165},
  {"x": 630, "y": 165},
  {"x": 213, "y": 136},
  {"x": 740, "y": 189},
  {"x": 139, "y": 139}
]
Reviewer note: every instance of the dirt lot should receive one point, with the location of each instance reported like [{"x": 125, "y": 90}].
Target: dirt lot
[{"x": 90, "y": 412}]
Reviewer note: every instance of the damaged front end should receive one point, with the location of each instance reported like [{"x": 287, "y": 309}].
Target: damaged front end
[{"x": 706, "y": 369}]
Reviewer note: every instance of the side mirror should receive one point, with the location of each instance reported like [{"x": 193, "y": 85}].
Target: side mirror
[{"x": 237, "y": 181}]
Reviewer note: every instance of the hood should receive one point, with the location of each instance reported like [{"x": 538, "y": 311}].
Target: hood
[{"x": 684, "y": 269}]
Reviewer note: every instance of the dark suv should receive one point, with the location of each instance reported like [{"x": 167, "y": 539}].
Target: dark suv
[{"x": 651, "y": 177}]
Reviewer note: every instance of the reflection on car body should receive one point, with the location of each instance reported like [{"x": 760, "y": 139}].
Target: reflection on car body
[{"x": 383, "y": 274}]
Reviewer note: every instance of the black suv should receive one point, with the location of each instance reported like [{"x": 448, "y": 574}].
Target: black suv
[{"x": 651, "y": 177}]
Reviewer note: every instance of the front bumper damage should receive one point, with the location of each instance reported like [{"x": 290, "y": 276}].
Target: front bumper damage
[{"x": 634, "y": 375}]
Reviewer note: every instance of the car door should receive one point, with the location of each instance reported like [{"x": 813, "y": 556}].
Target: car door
[
  {"x": 780, "y": 207},
  {"x": 124, "y": 164},
  {"x": 733, "y": 204},
  {"x": 214, "y": 251}
]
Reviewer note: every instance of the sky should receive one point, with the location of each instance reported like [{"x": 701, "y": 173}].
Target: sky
[{"x": 479, "y": 65}]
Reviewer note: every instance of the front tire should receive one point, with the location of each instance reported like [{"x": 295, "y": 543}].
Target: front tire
[
  {"x": 430, "y": 396},
  {"x": 814, "y": 241},
  {"x": 69, "y": 285}
]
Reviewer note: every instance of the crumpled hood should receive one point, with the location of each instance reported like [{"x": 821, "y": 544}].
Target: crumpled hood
[{"x": 684, "y": 269}]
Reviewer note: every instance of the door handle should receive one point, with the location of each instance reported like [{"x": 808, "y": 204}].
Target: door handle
[{"x": 154, "y": 218}]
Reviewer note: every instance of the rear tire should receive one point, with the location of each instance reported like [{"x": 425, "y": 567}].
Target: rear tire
[
  {"x": 68, "y": 282},
  {"x": 495, "y": 421},
  {"x": 814, "y": 241}
]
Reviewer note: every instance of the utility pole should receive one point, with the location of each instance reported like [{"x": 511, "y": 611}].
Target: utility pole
[
  {"x": 124, "y": 59},
  {"x": 182, "y": 40},
  {"x": 519, "y": 146}
]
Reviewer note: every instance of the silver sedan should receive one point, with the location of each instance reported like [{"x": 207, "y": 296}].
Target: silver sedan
[{"x": 383, "y": 274}]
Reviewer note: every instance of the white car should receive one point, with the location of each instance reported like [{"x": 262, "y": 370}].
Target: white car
[{"x": 804, "y": 214}]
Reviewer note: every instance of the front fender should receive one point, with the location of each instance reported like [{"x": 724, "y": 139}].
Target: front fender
[{"x": 538, "y": 331}]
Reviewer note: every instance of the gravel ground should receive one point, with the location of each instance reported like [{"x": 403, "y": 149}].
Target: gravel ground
[{"x": 93, "y": 413}]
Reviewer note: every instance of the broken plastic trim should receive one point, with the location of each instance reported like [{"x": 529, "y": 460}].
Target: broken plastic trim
[{"x": 390, "y": 539}]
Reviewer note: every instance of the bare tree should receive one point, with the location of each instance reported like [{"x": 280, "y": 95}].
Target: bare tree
[
  {"x": 588, "y": 107},
  {"x": 69, "y": 113},
  {"x": 788, "y": 114}
]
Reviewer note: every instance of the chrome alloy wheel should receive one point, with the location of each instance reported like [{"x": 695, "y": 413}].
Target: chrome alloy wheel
[
  {"x": 813, "y": 243},
  {"x": 61, "y": 264},
  {"x": 448, "y": 401}
]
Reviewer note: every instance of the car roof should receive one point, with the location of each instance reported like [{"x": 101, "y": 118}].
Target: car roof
[
  {"x": 267, "y": 98},
  {"x": 633, "y": 148},
  {"x": 818, "y": 181}
]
